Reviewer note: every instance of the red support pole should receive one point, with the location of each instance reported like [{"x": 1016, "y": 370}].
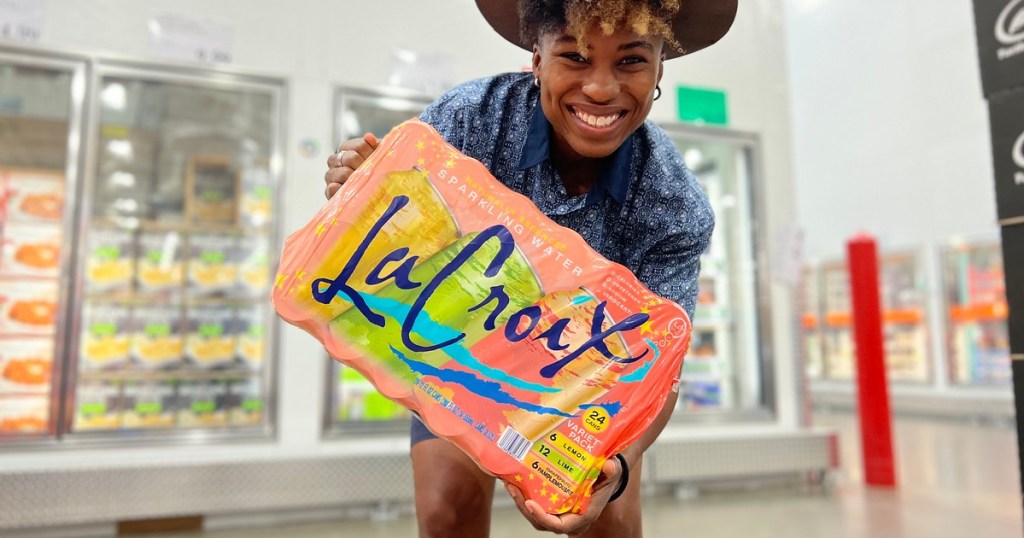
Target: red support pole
[{"x": 872, "y": 384}]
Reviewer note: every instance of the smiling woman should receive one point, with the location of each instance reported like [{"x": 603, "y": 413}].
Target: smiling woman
[{"x": 573, "y": 137}]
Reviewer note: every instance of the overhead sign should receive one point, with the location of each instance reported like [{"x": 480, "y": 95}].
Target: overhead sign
[
  {"x": 191, "y": 39},
  {"x": 1000, "y": 31},
  {"x": 21, "y": 20},
  {"x": 1006, "y": 117},
  {"x": 699, "y": 105}
]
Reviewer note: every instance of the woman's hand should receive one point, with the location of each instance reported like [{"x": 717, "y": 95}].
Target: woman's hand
[
  {"x": 571, "y": 524},
  {"x": 351, "y": 154}
]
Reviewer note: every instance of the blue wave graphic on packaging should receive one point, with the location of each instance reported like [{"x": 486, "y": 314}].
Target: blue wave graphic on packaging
[
  {"x": 487, "y": 389},
  {"x": 640, "y": 373},
  {"x": 613, "y": 408},
  {"x": 436, "y": 332},
  {"x": 580, "y": 299}
]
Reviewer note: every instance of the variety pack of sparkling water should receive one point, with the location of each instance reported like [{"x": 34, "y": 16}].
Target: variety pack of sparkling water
[{"x": 505, "y": 332}]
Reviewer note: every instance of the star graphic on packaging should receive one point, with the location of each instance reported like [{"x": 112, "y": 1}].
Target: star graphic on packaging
[
  {"x": 280, "y": 280},
  {"x": 421, "y": 146},
  {"x": 532, "y": 476},
  {"x": 320, "y": 228},
  {"x": 519, "y": 478},
  {"x": 647, "y": 326},
  {"x": 554, "y": 498}
]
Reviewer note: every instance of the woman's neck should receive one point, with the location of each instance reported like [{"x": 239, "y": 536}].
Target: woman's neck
[{"x": 578, "y": 173}]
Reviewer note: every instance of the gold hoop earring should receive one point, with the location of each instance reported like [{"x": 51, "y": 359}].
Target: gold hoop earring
[{"x": 657, "y": 93}]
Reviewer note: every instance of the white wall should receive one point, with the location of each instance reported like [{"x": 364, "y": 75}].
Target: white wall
[
  {"x": 890, "y": 129},
  {"x": 317, "y": 43}
]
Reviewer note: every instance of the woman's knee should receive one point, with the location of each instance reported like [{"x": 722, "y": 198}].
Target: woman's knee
[{"x": 454, "y": 508}]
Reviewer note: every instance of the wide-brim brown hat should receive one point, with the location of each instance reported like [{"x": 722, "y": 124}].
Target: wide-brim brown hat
[{"x": 698, "y": 23}]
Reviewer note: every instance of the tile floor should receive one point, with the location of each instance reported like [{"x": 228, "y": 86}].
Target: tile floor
[{"x": 956, "y": 480}]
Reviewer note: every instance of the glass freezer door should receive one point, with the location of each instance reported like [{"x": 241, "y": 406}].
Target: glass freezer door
[
  {"x": 977, "y": 337},
  {"x": 178, "y": 236},
  {"x": 726, "y": 369},
  {"x": 905, "y": 323},
  {"x": 40, "y": 115},
  {"x": 352, "y": 402}
]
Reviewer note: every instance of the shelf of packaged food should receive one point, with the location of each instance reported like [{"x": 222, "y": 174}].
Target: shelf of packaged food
[
  {"x": 130, "y": 224},
  {"x": 974, "y": 313},
  {"x": 168, "y": 375},
  {"x": 174, "y": 298}
]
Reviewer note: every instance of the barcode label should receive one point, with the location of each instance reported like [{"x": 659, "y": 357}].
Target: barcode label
[{"x": 514, "y": 444}]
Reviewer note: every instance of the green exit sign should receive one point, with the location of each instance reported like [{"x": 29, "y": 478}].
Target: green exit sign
[{"x": 701, "y": 105}]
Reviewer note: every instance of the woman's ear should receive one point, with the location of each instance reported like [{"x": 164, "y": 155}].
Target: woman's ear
[{"x": 536, "y": 61}]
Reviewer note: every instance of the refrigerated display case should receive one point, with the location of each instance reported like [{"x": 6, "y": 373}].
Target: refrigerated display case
[
  {"x": 352, "y": 403},
  {"x": 178, "y": 232},
  {"x": 41, "y": 99},
  {"x": 837, "y": 329},
  {"x": 974, "y": 289},
  {"x": 727, "y": 370},
  {"x": 904, "y": 316},
  {"x": 811, "y": 323}
]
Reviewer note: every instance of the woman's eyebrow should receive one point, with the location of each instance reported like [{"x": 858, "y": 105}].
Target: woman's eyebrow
[{"x": 640, "y": 43}]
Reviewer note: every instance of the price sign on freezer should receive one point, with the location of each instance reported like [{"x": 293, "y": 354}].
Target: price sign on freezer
[
  {"x": 180, "y": 37},
  {"x": 21, "y": 20}
]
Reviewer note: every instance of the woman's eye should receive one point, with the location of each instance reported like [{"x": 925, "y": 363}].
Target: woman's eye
[
  {"x": 574, "y": 56},
  {"x": 634, "y": 60}
]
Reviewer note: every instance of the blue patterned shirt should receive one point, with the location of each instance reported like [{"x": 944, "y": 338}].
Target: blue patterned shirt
[{"x": 646, "y": 212}]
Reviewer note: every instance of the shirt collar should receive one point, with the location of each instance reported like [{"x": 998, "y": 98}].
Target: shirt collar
[{"x": 614, "y": 180}]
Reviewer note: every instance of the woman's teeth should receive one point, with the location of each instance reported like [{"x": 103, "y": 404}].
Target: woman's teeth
[{"x": 596, "y": 121}]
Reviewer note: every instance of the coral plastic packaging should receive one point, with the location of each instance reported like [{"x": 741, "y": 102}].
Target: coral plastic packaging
[{"x": 506, "y": 333}]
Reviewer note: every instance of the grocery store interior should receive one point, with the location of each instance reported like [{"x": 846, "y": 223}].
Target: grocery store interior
[{"x": 155, "y": 156}]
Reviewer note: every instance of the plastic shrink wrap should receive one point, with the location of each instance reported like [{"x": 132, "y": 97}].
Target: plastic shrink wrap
[{"x": 505, "y": 332}]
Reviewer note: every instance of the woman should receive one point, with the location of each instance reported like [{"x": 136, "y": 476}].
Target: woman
[{"x": 572, "y": 137}]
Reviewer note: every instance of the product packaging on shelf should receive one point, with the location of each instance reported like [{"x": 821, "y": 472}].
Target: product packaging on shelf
[
  {"x": 212, "y": 267},
  {"x": 97, "y": 406},
  {"x": 158, "y": 339},
  {"x": 105, "y": 341},
  {"x": 24, "y": 415},
  {"x": 148, "y": 404},
  {"x": 505, "y": 332},
  {"x": 33, "y": 196},
  {"x": 253, "y": 265},
  {"x": 31, "y": 249},
  {"x": 110, "y": 260},
  {"x": 202, "y": 404},
  {"x": 245, "y": 402},
  {"x": 250, "y": 328},
  {"x": 159, "y": 267},
  {"x": 28, "y": 307},
  {"x": 26, "y": 365},
  {"x": 210, "y": 340}
]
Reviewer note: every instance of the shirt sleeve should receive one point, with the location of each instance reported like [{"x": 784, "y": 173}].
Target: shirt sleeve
[
  {"x": 670, "y": 268},
  {"x": 448, "y": 116}
]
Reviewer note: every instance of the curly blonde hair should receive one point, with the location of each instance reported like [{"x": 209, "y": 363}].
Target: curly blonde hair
[{"x": 645, "y": 17}]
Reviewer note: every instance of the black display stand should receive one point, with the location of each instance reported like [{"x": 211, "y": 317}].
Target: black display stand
[{"x": 1001, "y": 57}]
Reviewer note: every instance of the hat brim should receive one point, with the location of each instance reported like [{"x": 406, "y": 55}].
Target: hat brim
[{"x": 698, "y": 24}]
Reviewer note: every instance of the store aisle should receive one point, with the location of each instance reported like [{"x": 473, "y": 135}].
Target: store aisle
[{"x": 957, "y": 481}]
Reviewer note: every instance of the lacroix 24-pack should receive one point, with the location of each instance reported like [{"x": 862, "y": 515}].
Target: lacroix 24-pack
[{"x": 505, "y": 332}]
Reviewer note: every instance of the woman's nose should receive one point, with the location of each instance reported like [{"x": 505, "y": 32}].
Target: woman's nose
[{"x": 601, "y": 86}]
